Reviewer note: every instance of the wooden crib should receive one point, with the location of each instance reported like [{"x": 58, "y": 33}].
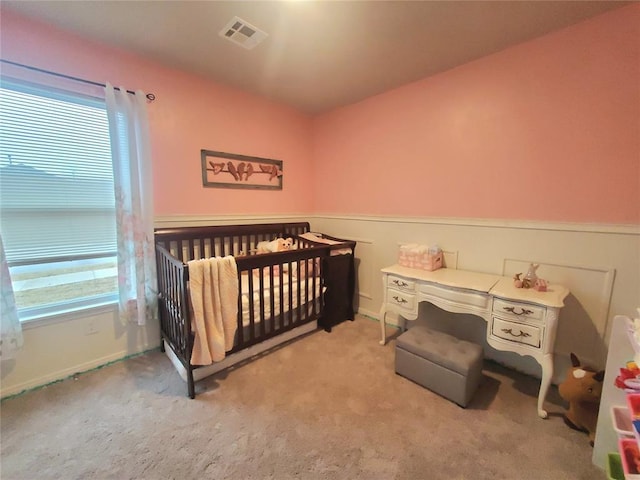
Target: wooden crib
[{"x": 282, "y": 295}]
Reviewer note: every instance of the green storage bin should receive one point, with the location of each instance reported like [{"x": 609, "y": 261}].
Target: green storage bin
[{"x": 614, "y": 467}]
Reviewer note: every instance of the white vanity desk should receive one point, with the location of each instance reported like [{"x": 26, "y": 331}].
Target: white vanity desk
[{"x": 519, "y": 320}]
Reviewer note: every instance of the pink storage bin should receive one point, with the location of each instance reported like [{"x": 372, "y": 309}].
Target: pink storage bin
[
  {"x": 621, "y": 419},
  {"x": 630, "y": 456}
]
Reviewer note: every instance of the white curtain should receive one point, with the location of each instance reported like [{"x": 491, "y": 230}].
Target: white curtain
[
  {"x": 131, "y": 152},
  {"x": 10, "y": 328}
]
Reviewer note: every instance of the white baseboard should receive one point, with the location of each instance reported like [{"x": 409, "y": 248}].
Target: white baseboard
[
  {"x": 391, "y": 319},
  {"x": 369, "y": 313},
  {"x": 68, "y": 372}
]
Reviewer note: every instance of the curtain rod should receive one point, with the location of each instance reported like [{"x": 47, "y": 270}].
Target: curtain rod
[{"x": 150, "y": 96}]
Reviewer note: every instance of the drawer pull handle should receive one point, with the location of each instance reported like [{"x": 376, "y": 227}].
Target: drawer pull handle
[
  {"x": 523, "y": 311},
  {"x": 400, "y": 283},
  {"x": 521, "y": 334},
  {"x": 399, "y": 300}
]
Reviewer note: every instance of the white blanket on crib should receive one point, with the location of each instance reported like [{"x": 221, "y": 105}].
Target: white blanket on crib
[{"x": 213, "y": 283}]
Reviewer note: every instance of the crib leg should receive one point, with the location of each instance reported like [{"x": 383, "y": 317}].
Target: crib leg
[
  {"x": 161, "y": 344},
  {"x": 190, "y": 384},
  {"x": 326, "y": 325}
]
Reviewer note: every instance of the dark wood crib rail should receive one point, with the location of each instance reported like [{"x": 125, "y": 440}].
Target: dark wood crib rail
[
  {"x": 174, "y": 311},
  {"x": 295, "y": 309},
  {"x": 189, "y": 243}
]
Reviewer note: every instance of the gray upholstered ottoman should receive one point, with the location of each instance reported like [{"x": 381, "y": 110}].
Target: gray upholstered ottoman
[{"x": 442, "y": 363}]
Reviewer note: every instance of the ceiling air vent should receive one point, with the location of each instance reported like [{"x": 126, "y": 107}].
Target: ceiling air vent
[{"x": 243, "y": 33}]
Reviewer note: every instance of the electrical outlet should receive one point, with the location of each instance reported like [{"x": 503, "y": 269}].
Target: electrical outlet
[{"x": 91, "y": 328}]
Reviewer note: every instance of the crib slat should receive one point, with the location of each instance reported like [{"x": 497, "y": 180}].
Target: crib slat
[
  {"x": 281, "y": 297},
  {"x": 239, "y": 316},
  {"x": 298, "y": 291},
  {"x": 290, "y": 306},
  {"x": 315, "y": 286},
  {"x": 272, "y": 301},
  {"x": 252, "y": 329},
  {"x": 263, "y": 316}
]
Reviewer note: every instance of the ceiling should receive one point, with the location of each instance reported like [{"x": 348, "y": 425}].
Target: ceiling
[{"x": 318, "y": 55}]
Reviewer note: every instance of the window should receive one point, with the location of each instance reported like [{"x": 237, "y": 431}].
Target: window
[{"x": 57, "y": 207}]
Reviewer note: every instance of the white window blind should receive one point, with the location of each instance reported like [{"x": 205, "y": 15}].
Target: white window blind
[{"x": 56, "y": 180}]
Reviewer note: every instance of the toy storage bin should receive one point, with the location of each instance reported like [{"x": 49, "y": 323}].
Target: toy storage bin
[
  {"x": 420, "y": 256},
  {"x": 633, "y": 402},
  {"x": 629, "y": 453},
  {"x": 440, "y": 362},
  {"x": 621, "y": 419},
  {"x": 614, "y": 467}
]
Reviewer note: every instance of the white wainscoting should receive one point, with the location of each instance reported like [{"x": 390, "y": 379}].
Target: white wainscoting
[
  {"x": 365, "y": 248},
  {"x": 600, "y": 264},
  {"x": 59, "y": 348},
  {"x": 585, "y": 317}
]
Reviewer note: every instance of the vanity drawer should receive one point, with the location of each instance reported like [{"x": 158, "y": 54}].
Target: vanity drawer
[
  {"x": 401, "y": 300},
  {"x": 517, "y": 332},
  {"x": 520, "y": 310},
  {"x": 458, "y": 295},
  {"x": 401, "y": 283}
]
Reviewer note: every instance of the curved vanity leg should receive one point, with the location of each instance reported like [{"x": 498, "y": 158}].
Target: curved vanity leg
[
  {"x": 547, "y": 373},
  {"x": 383, "y": 325}
]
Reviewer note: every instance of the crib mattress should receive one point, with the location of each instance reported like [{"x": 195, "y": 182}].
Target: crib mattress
[{"x": 310, "y": 289}]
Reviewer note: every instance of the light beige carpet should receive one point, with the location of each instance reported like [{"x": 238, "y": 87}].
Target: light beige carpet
[{"x": 327, "y": 406}]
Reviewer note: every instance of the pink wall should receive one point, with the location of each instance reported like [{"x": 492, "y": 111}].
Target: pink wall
[
  {"x": 189, "y": 114},
  {"x": 548, "y": 130}
]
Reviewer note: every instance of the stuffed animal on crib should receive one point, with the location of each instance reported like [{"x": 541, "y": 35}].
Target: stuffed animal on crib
[
  {"x": 277, "y": 245},
  {"x": 582, "y": 389}
]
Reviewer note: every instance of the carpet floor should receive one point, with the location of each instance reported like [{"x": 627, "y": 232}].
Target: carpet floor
[{"x": 325, "y": 406}]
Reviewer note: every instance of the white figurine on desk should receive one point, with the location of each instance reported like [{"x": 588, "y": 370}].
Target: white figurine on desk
[{"x": 530, "y": 280}]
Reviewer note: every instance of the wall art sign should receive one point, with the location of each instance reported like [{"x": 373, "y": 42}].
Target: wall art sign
[{"x": 230, "y": 170}]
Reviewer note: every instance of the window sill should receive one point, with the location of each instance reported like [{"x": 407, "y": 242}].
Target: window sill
[{"x": 59, "y": 316}]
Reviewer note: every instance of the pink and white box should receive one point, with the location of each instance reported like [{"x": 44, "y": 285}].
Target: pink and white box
[{"x": 422, "y": 257}]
